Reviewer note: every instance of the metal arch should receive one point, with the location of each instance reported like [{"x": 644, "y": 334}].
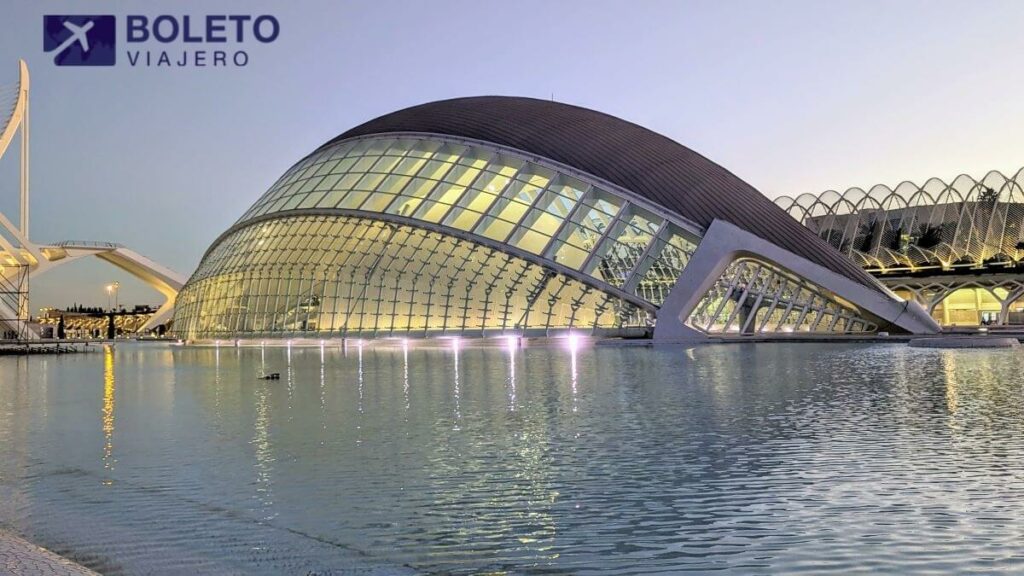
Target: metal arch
[
  {"x": 447, "y": 231},
  {"x": 978, "y": 219}
]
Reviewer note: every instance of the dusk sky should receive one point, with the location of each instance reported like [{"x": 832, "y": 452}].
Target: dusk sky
[{"x": 792, "y": 96}]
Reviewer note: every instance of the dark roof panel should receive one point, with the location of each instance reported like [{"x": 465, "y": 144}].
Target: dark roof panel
[{"x": 631, "y": 156}]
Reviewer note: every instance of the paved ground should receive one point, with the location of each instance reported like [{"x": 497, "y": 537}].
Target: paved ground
[{"x": 19, "y": 557}]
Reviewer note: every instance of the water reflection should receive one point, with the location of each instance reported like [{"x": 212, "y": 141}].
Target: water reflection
[
  {"x": 569, "y": 459},
  {"x": 512, "y": 344},
  {"x": 264, "y": 459},
  {"x": 573, "y": 350},
  {"x": 456, "y": 391},
  {"x": 949, "y": 371},
  {"x": 109, "y": 385},
  {"x": 359, "y": 386},
  {"x": 405, "y": 377},
  {"x": 323, "y": 389}
]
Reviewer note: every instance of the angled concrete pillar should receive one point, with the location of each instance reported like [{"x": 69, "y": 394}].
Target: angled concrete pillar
[{"x": 725, "y": 242}]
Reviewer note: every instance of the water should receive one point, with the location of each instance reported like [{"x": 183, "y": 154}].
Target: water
[{"x": 761, "y": 458}]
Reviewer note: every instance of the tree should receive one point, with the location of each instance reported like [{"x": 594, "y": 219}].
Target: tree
[
  {"x": 897, "y": 240},
  {"x": 60, "y": 328},
  {"x": 111, "y": 332},
  {"x": 988, "y": 196},
  {"x": 929, "y": 236},
  {"x": 868, "y": 241}
]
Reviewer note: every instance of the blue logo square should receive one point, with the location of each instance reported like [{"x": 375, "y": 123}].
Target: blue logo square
[{"x": 80, "y": 40}]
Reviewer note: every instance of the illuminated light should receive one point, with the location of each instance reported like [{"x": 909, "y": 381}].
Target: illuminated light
[
  {"x": 574, "y": 342},
  {"x": 512, "y": 342},
  {"x": 109, "y": 388},
  {"x": 455, "y": 344},
  {"x": 787, "y": 329}
]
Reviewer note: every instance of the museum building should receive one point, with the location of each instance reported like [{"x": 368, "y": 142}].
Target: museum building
[
  {"x": 498, "y": 216},
  {"x": 956, "y": 248}
]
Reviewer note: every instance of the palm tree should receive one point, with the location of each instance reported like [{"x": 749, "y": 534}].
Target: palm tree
[
  {"x": 868, "y": 241},
  {"x": 929, "y": 236}
]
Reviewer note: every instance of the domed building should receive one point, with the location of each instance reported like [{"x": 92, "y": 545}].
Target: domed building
[{"x": 494, "y": 216}]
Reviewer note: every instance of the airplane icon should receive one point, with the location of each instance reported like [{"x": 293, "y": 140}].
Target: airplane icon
[
  {"x": 80, "y": 39},
  {"x": 78, "y": 34}
]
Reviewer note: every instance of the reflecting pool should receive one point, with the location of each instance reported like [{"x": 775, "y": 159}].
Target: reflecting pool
[{"x": 754, "y": 458}]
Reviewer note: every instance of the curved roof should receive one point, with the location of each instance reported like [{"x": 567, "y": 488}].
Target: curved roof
[{"x": 630, "y": 156}]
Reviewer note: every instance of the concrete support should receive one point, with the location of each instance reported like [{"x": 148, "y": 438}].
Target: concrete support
[
  {"x": 724, "y": 242},
  {"x": 162, "y": 279}
]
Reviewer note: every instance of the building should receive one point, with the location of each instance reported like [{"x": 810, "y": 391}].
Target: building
[
  {"x": 955, "y": 248},
  {"x": 83, "y": 322},
  {"x": 514, "y": 216}
]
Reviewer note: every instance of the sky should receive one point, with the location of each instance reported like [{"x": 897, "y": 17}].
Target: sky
[{"x": 792, "y": 96}]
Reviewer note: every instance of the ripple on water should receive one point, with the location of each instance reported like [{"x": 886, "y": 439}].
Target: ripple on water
[{"x": 746, "y": 458}]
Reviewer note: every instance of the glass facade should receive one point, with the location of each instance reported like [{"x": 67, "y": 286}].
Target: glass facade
[
  {"x": 419, "y": 235},
  {"x": 753, "y": 297},
  {"x": 493, "y": 194},
  {"x": 324, "y": 276},
  {"x": 383, "y": 235}
]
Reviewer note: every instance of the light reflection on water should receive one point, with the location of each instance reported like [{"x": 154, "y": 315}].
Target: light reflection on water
[
  {"x": 746, "y": 458},
  {"x": 109, "y": 384}
]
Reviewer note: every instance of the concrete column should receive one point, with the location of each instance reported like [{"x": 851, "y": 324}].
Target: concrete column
[{"x": 723, "y": 242}]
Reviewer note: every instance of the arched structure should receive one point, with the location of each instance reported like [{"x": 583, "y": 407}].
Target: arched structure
[
  {"x": 956, "y": 248},
  {"x": 21, "y": 259},
  {"x": 964, "y": 224},
  {"x": 497, "y": 215}
]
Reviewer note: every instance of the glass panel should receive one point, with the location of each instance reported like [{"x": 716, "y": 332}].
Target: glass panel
[
  {"x": 386, "y": 279},
  {"x": 377, "y": 202},
  {"x": 531, "y": 241},
  {"x": 508, "y": 210},
  {"x": 393, "y": 184},
  {"x": 462, "y": 219},
  {"x": 662, "y": 268},
  {"x": 755, "y": 296},
  {"x": 435, "y": 169},
  {"x": 494, "y": 228}
]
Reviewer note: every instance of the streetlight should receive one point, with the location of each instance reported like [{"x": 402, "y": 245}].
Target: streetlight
[{"x": 112, "y": 290}]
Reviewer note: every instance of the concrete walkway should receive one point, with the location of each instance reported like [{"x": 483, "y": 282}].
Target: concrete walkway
[{"x": 19, "y": 557}]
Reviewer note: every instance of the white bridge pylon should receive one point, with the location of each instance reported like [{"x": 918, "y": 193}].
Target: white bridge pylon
[{"x": 22, "y": 260}]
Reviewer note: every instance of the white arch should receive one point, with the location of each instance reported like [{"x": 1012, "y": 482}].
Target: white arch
[
  {"x": 22, "y": 260},
  {"x": 164, "y": 280}
]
